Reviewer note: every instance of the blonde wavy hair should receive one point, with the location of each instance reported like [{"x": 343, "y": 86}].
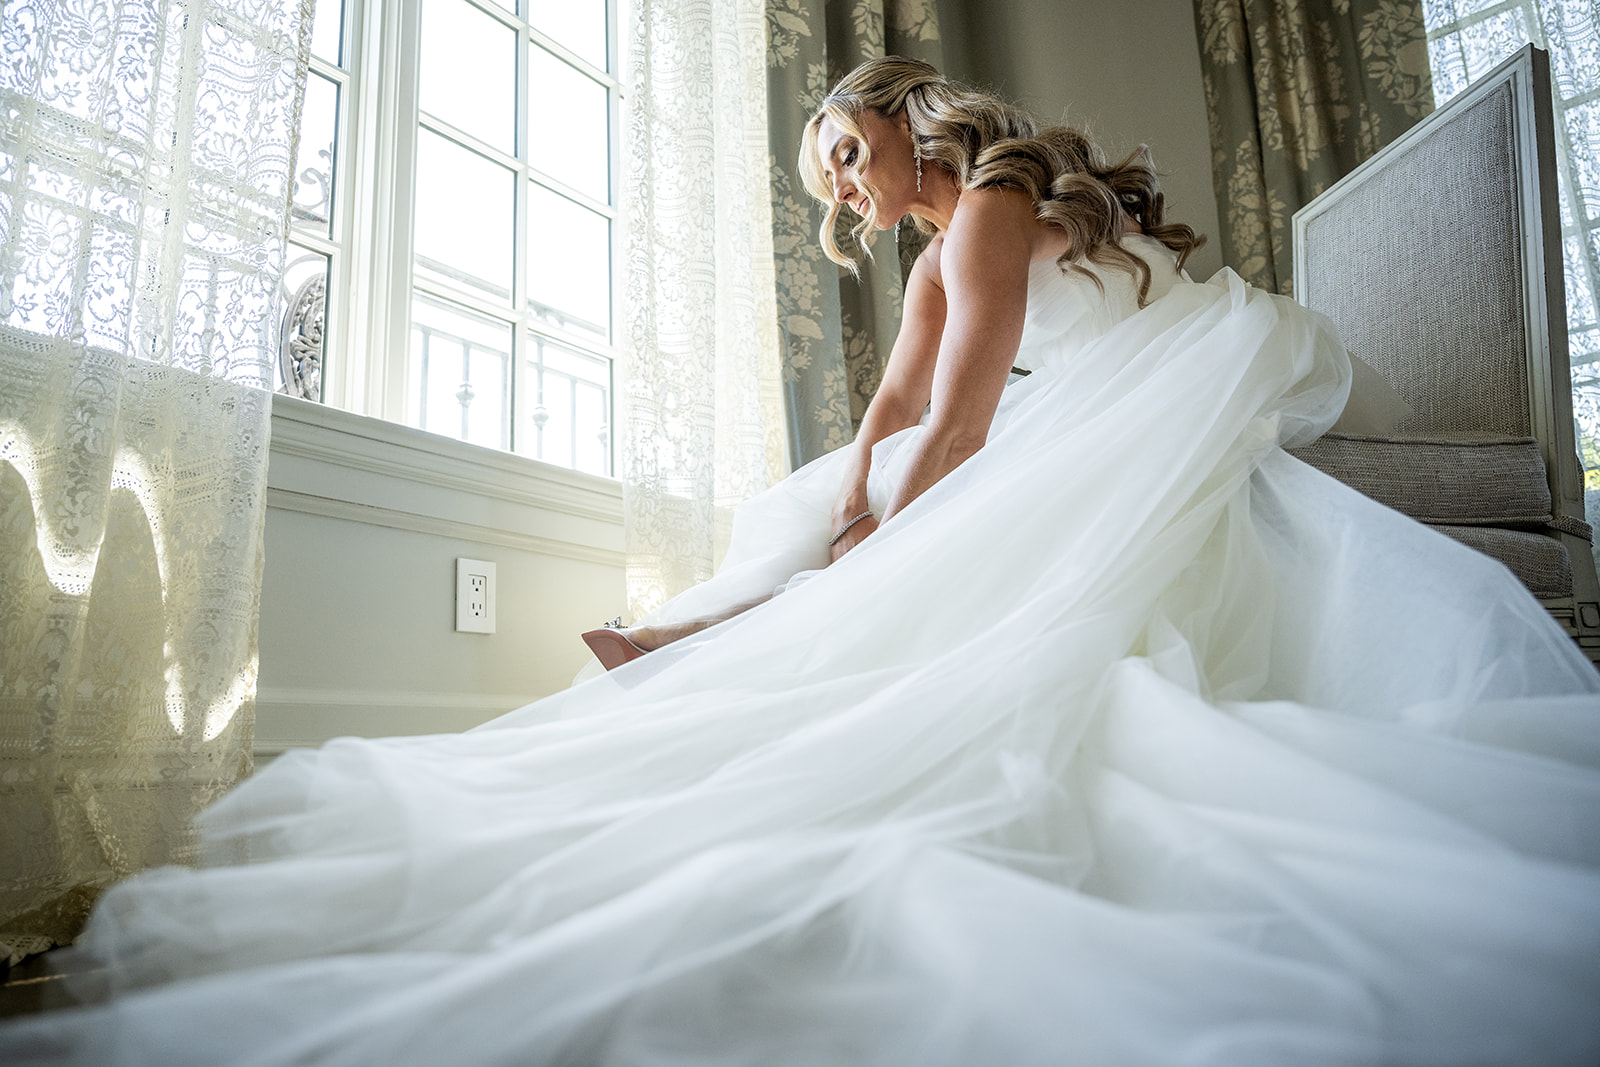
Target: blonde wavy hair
[{"x": 986, "y": 142}]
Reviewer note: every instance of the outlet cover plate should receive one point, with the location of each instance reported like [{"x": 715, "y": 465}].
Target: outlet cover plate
[{"x": 475, "y": 596}]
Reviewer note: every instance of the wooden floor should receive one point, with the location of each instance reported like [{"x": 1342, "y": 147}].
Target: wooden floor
[{"x": 34, "y": 985}]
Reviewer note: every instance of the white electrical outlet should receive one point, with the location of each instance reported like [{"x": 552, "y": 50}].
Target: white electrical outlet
[{"x": 475, "y": 596}]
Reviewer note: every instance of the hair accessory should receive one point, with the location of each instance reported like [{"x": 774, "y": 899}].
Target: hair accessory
[
  {"x": 846, "y": 527},
  {"x": 916, "y": 153}
]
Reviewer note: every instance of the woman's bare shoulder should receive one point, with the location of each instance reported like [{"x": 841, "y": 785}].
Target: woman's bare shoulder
[
  {"x": 994, "y": 214},
  {"x": 994, "y": 205}
]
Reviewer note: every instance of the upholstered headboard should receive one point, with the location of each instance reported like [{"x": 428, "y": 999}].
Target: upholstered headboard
[
  {"x": 1439, "y": 260},
  {"x": 1434, "y": 262}
]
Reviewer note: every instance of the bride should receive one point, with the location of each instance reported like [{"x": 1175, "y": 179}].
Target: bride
[
  {"x": 999, "y": 197},
  {"x": 1089, "y": 727}
]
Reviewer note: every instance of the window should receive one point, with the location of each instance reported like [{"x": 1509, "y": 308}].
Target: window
[
  {"x": 317, "y": 232},
  {"x": 455, "y": 221},
  {"x": 1466, "y": 39}
]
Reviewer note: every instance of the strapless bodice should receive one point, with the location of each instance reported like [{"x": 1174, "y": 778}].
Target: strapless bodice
[{"x": 1066, "y": 310}]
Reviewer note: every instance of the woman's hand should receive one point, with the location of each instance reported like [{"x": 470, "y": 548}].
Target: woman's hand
[
  {"x": 901, "y": 397},
  {"x": 852, "y": 537},
  {"x": 851, "y": 505}
]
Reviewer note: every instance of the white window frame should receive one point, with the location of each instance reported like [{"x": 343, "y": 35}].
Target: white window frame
[{"x": 366, "y": 346}]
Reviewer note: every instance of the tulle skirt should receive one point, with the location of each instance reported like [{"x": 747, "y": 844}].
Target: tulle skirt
[{"x": 1133, "y": 741}]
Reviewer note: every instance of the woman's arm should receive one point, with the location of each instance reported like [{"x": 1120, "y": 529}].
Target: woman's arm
[
  {"x": 985, "y": 262},
  {"x": 905, "y": 391}
]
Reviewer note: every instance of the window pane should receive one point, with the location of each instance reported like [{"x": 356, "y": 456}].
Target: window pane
[
  {"x": 552, "y": 415},
  {"x": 571, "y": 411},
  {"x": 570, "y": 141},
  {"x": 325, "y": 27},
  {"x": 314, "y": 162},
  {"x": 457, "y": 380},
  {"x": 578, "y": 24},
  {"x": 591, "y": 430},
  {"x": 469, "y": 71},
  {"x": 303, "y": 314},
  {"x": 569, "y": 263},
  {"x": 464, "y": 215}
]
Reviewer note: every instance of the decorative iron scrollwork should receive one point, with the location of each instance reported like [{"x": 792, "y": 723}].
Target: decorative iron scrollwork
[{"x": 300, "y": 352}]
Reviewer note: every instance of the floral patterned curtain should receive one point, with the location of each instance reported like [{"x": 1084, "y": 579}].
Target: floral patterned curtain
[
  {"x": 835, "y": 332},
  {"x": 145, "y": 150},
  {"x": 1298, "y": 93}
]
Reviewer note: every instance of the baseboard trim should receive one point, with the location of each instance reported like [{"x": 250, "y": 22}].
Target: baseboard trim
[{"x": 307, "y": 718}]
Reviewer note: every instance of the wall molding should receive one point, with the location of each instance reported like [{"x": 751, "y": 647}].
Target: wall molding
[
  {"x": 293, "y": 717},
  {"x": 367, "y": 475},
  {"x": 307, "y": 430},
  {"x": 416, "y": 522}
]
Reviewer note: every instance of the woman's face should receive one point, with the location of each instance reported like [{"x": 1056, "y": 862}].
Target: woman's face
[{"x": 892, "y": 171}]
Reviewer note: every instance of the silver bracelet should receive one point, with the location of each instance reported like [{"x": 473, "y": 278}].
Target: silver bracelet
[{"x": 846, "y": 529}]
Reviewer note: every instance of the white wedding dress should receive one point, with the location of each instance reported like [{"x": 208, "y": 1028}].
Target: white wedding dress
[{"x": 1133, "y": 741}]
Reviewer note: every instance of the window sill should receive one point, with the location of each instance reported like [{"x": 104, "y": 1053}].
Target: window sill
[{"x": 353, "y": 467}]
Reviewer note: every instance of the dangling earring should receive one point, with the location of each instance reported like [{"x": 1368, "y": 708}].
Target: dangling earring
[
  {"x": 896, "y": 231},
  {"x": 916, "y": 153}
]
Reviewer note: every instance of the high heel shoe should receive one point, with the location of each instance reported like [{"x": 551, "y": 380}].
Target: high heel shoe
[{"x": 612, "y": 648}]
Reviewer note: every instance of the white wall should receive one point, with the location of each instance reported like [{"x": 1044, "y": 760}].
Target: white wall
[
  {"x": 1128, "y": 71},
  {"x": 365, "y": 520}
]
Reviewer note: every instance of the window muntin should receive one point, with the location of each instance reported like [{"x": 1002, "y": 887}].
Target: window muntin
[
  {"x": 318, "y": 240},
  {"x": 489, "y": 212}
]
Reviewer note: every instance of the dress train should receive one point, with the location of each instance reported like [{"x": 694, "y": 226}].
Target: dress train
[{"x": 1133, "y": 741}]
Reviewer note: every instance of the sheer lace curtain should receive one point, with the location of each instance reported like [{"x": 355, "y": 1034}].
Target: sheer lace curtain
[
  {"x": 1467, "y": 40},
  {"x": 145, "y": 150},
  {"x": 703, "y": 420}
]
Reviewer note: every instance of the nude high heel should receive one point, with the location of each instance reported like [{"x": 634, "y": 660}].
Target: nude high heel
[{"x": 612, "y": 648}]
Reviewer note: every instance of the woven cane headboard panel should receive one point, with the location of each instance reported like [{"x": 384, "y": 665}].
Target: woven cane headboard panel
[{"x": 1417, "y": 260}]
